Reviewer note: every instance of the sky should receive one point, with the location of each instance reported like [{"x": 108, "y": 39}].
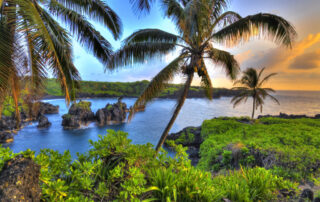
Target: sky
[{"x": 297, "y": 68}]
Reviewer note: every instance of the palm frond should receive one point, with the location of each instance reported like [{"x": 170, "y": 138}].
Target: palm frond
[
  {"x": 261, "y": 25},
  {"x": 157, "y": 84},
  {"x": 239, "y": 99},
  {"x": 54, "y": 42},
  {"x": 151, "y": 35},
  {"x": 138, "y": 53},
  {"x": 225, "y": 19},
  {"x": 225, "y": 59},
  {"x": 98, "y": 11},
  {"x": 265, "y": 79},
  {"x": 86, "y": 34},
  {"x": 174, "y": 11},
  {"x": 142, "y": 5}
]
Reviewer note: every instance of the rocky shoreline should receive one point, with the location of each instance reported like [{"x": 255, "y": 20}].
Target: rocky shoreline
[{"x": 9, "y": 124}]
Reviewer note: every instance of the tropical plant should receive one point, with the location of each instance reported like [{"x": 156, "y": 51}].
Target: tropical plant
[
  {"x": 199, "y": 23},
  {"x": 251, "y": 86},
  {"x": 33, "y": 42}
]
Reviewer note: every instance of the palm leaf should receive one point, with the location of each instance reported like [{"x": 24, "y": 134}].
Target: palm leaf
[
  {"x": 86, "y": 34},
  {"x": 151, "y": 35},
  {"x": 225, "y": 59},
  {"x": 157, "y": 84},
  {"x": 139, "y": 53},
  {"x": 261, "y": 25},
  {"x": 98, "y": 11}
]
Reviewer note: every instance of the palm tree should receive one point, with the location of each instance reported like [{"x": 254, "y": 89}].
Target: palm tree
[
  {"x": 32, "y": 42},
  {"x": 251, "y": 86},
  {"x": 199, "y": 23}
]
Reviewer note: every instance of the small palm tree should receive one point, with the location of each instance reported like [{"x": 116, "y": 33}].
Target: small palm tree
[
  {"x": 32, "y": 42},
  {"x": 200, "y": 23},
  {"x": 251, "y": 86}
]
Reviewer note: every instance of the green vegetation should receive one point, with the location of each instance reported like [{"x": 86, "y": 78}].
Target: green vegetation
[
  {"x": 83, "y": 105},
  {"x": 288, "y": 147},
  {"x": 114, "y": 169},
  {"x": 126, "y": 89},
  {"x": 251, "y": 85}
]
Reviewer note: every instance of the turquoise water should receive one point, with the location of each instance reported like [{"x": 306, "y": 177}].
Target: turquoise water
[{"x": 147, "y": 126}]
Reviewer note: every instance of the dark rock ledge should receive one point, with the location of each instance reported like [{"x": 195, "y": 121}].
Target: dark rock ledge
[{"x": 19, "y": 180}]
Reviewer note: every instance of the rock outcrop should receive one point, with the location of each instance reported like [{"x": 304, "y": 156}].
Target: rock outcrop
[
  {"x": 112, "y": 113},
  {"x": 189, "y": 137},
  {"x": 47, "y": 108},
  {"x": 19, "y": 180},
  {"x": 79, "y": 114},
  {"x": 43, "y": 122},
  {"x": 6, "y": 137}
]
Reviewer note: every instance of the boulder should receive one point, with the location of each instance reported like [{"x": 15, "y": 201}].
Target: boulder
[
  {"x": 79, "y": 114},
  {"x": 112, "y": 113},
  {"x": 19, "y": 180},
  {"x": 306, "y": 194},
  {"x": 6, "y": 137},
  {"x": 43, "y": 122}
]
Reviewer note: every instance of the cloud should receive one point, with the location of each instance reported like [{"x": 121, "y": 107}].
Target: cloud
[
  {"x": 280, "y": 58},
  {"x": 306, "y": 61}
]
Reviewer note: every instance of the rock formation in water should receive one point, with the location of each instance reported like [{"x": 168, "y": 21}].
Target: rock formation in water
[
  {"x": 112, "y": 113},
  {"x": 79, "y": 114},
  {"x": 43, "y": 122},
  {"x": 19, "y": 180}
]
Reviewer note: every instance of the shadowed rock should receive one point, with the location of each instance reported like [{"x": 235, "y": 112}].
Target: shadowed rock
[
  {"x": 43, "y": 122},
  {"x": 6, "y": 137},
  {"x": 79, "y": 114},
  {"x": 112, "y": 113}
]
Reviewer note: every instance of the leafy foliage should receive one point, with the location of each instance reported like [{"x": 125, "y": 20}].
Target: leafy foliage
[
  {"x": 114, "y": 169},
  {"x": 289, "y": 148},
  {"x": 33, "y": 43}
]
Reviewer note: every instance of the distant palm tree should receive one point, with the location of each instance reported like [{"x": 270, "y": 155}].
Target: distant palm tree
[
  {"x": 33, "y": 42},
  {"x": 199, "y": 23},
  {"x": 251, "y": 86}
]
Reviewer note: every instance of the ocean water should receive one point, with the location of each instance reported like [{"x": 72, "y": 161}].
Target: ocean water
[{"x": 147, "y": 126}]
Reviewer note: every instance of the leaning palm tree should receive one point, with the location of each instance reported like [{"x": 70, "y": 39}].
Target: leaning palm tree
[
  {"x": 33, "y": 42},
  {"x": 251, "y": 86},
  {"x": 200, "y": 23}
]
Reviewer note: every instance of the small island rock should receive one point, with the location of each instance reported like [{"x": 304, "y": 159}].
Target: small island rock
[
  {"x": 111, "y": 114},
  {"x": 79, "y": 114}
]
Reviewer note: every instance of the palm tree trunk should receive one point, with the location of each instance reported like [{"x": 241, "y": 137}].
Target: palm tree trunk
[
  {"x": 175, "y": 114},
  {"x": 253, "y": 108}
]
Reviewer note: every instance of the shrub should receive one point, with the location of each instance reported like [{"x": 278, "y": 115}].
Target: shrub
[{"x": 114, "y": 169}]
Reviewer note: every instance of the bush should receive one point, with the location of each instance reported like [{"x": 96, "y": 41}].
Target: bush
[
  {"x": 114, "y": 169},
  {"x": 290, "y": 148}
]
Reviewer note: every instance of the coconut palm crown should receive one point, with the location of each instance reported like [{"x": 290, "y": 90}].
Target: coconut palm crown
[
  {"x": 251, "y": 85},
  {"x": 33, "y": 42},
  {"x": 200, "y": 24}
]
